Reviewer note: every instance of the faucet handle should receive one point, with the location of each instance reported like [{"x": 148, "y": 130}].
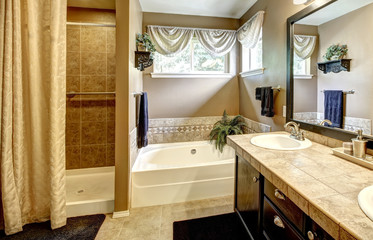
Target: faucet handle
[{"x": 301, "y": 136}]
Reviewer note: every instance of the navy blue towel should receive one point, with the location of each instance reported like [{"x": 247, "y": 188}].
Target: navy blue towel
[
  {"x": 333, "y": 107},
  {"x": 142, "y": 128},
  {"x": 267, "y": 102}
]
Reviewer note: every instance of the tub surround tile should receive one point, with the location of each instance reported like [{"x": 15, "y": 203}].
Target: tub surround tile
[
  {"x": 324, "y": 186},
  {"x": 93, "y": 83},
  {"x": 166, "y": 130}
]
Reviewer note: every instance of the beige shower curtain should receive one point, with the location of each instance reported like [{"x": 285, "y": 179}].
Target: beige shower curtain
[{"x": 32, "y": 112}]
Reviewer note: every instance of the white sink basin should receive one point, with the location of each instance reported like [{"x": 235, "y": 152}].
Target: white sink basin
[
  {"x": 280, "y": 142},
  {"x": 365, "y": 199}
]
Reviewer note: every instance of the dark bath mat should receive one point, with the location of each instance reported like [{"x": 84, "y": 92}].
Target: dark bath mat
[
  {"x": 220, "y": 227},
  {"x": 82, "y": 228}
]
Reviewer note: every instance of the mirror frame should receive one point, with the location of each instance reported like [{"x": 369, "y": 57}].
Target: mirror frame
[{"x": 330, "y": 132}]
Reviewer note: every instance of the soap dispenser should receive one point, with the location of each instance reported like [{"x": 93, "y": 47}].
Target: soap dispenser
[{"x": 359, "y": 145}]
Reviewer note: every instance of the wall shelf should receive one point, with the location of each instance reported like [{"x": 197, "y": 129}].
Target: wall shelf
[
  {"x": 335, "y": 66},
  {"x": 143, "y": 60}
]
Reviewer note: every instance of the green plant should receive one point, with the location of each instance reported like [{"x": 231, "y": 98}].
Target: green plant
[
  {"x": 145, "y": 40},
  {"x": 225, "y": 127},
  {"x": 337, "y": 51}
]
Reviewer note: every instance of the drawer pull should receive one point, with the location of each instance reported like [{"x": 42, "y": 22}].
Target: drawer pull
[
  {"x": 279, "y": 194},
  {"x": 278, "y": 222},
  {"x": 255, "y": 179},
  {"x": 310, "y": 235}
]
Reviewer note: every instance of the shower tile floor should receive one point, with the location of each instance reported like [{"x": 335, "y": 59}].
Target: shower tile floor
[{"x": 155, "y": 223}]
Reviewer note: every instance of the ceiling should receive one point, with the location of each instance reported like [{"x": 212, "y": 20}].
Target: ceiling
[
  {"x": 100, "y": 4},
  {"x": 333, "y": 11},
  {"x": 214, "y": 8}
]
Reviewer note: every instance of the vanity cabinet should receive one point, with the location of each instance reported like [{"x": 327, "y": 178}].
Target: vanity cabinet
[
  {"x": 275, "y": 225},
  {"x": 266, "y": 212},
  {"x": 247, "y": 192}
]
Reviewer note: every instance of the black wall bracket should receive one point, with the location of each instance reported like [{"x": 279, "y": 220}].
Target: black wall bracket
[
  {"x": 335, "y": 66},
  {"x": 143, "y": 60}
]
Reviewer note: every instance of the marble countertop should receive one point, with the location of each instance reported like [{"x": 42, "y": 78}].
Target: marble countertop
[{"x": 324, "y": 186}]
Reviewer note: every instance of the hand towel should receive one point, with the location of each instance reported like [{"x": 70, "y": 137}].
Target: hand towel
[
  {"x": 258, "y": 93},
  {"x": 333, "y": 107},
  {"x": 142, "y": 128},
  {"x": 267, "y": 102}
]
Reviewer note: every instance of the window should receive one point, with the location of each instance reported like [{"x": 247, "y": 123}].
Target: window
[
  {"x": 194, "y": 59},
  {"x": 252, "y": 58},
  {"x": 301, "y": 67}
]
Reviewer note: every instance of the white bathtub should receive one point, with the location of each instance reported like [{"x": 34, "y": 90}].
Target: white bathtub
[
  {"x": 89, "y": 191},
  {"x": 170, "y": 173}
]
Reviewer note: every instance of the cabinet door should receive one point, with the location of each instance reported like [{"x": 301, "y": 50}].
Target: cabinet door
[{"x": 247, "y": 200}]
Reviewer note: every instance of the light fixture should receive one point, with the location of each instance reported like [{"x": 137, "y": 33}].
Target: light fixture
[{"x": 298, "y": 2}]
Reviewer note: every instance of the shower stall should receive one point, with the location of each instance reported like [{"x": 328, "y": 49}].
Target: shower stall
[{"x": 90, "y": 111}]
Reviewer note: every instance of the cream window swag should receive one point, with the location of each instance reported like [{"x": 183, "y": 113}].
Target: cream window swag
[
  {"x": 304, "y": 45},
  {"x": 170, "y": 41},
  {"x": 248, "y": 34}
]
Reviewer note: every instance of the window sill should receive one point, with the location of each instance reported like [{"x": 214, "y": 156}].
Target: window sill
[
  {"x": 252, "y": 72},
  {"x": 192, "y": 75},
  {"x": 305, "y": 76}
]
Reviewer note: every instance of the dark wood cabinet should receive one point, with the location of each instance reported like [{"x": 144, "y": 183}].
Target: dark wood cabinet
[
  {"x": 275, "y": 225},
  {"x": 247, "y": 191},
  {"x": 291, "y": 211},
  {"x": 267, "y": 213}
]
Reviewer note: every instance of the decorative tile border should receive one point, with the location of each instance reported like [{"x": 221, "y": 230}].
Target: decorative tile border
[
  {"x": 349, "y": 123},
  {"x": 167, "y": 130}
]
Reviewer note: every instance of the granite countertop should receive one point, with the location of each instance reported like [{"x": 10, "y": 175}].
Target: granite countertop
[{"x": 324, "y": 186}]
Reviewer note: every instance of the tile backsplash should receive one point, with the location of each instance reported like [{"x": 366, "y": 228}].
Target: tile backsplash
[{"x": 90, "y": 120}]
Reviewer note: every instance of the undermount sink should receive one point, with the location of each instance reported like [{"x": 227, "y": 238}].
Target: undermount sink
[
  {"x": 280, "y": 142},
  {"x": 365, "y": 199}
]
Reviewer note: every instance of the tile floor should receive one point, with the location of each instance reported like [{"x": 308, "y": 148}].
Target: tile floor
[{"x": 155, "y": 223}]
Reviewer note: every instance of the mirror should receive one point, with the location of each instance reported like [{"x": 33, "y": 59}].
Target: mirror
[{"x": 321, "y": 86}]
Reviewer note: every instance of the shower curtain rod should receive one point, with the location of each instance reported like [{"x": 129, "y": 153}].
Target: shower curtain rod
[{"x": 90, "y": 24}]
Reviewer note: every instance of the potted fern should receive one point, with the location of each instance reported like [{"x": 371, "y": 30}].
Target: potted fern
[{"x": 225, "y": 127}]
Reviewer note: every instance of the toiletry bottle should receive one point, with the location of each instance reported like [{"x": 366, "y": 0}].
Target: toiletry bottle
[{"x": 360, "y": 145}]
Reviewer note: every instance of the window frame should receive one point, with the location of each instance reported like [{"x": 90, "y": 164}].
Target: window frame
[
  {"x": 307, "y": 74},
  {"x": 197, "y": 74},
  {"x": 252, "y": 71}
]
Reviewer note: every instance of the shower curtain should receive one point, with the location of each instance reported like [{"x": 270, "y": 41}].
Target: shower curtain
[{"x": 32, "y": 112}]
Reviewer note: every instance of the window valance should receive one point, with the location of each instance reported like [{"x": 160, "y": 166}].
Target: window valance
[
  {"x": 304, "y": 46},
  {"x": 248, "y": 34},
  {"x": 172, "y": 40}
]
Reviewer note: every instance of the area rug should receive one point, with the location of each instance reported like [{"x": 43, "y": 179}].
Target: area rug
[
  {"x": 82, "y": 228},
  {"x": 220, "y": 227}
]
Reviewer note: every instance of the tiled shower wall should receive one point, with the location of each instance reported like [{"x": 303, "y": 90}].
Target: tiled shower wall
[{"x": 90, "y": 120}]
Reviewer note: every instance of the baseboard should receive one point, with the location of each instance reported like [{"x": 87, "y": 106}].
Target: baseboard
[{"x": 121, "y": 214}]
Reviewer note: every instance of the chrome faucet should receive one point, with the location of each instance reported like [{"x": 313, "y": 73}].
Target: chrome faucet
[
  {"x": 295, "y": 133},
  {"x": 325, "y": 121}
]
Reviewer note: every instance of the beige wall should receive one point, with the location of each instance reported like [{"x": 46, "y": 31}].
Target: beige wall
[
  {"x": 355, "y": 30},
  {"x": 90, "y": 126},
  {"x": 122, "y": 109},
  {"x": 274, "y": 60},
  {"x": 305, "y": 90},
  {"x": 182, "y": 97}
]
